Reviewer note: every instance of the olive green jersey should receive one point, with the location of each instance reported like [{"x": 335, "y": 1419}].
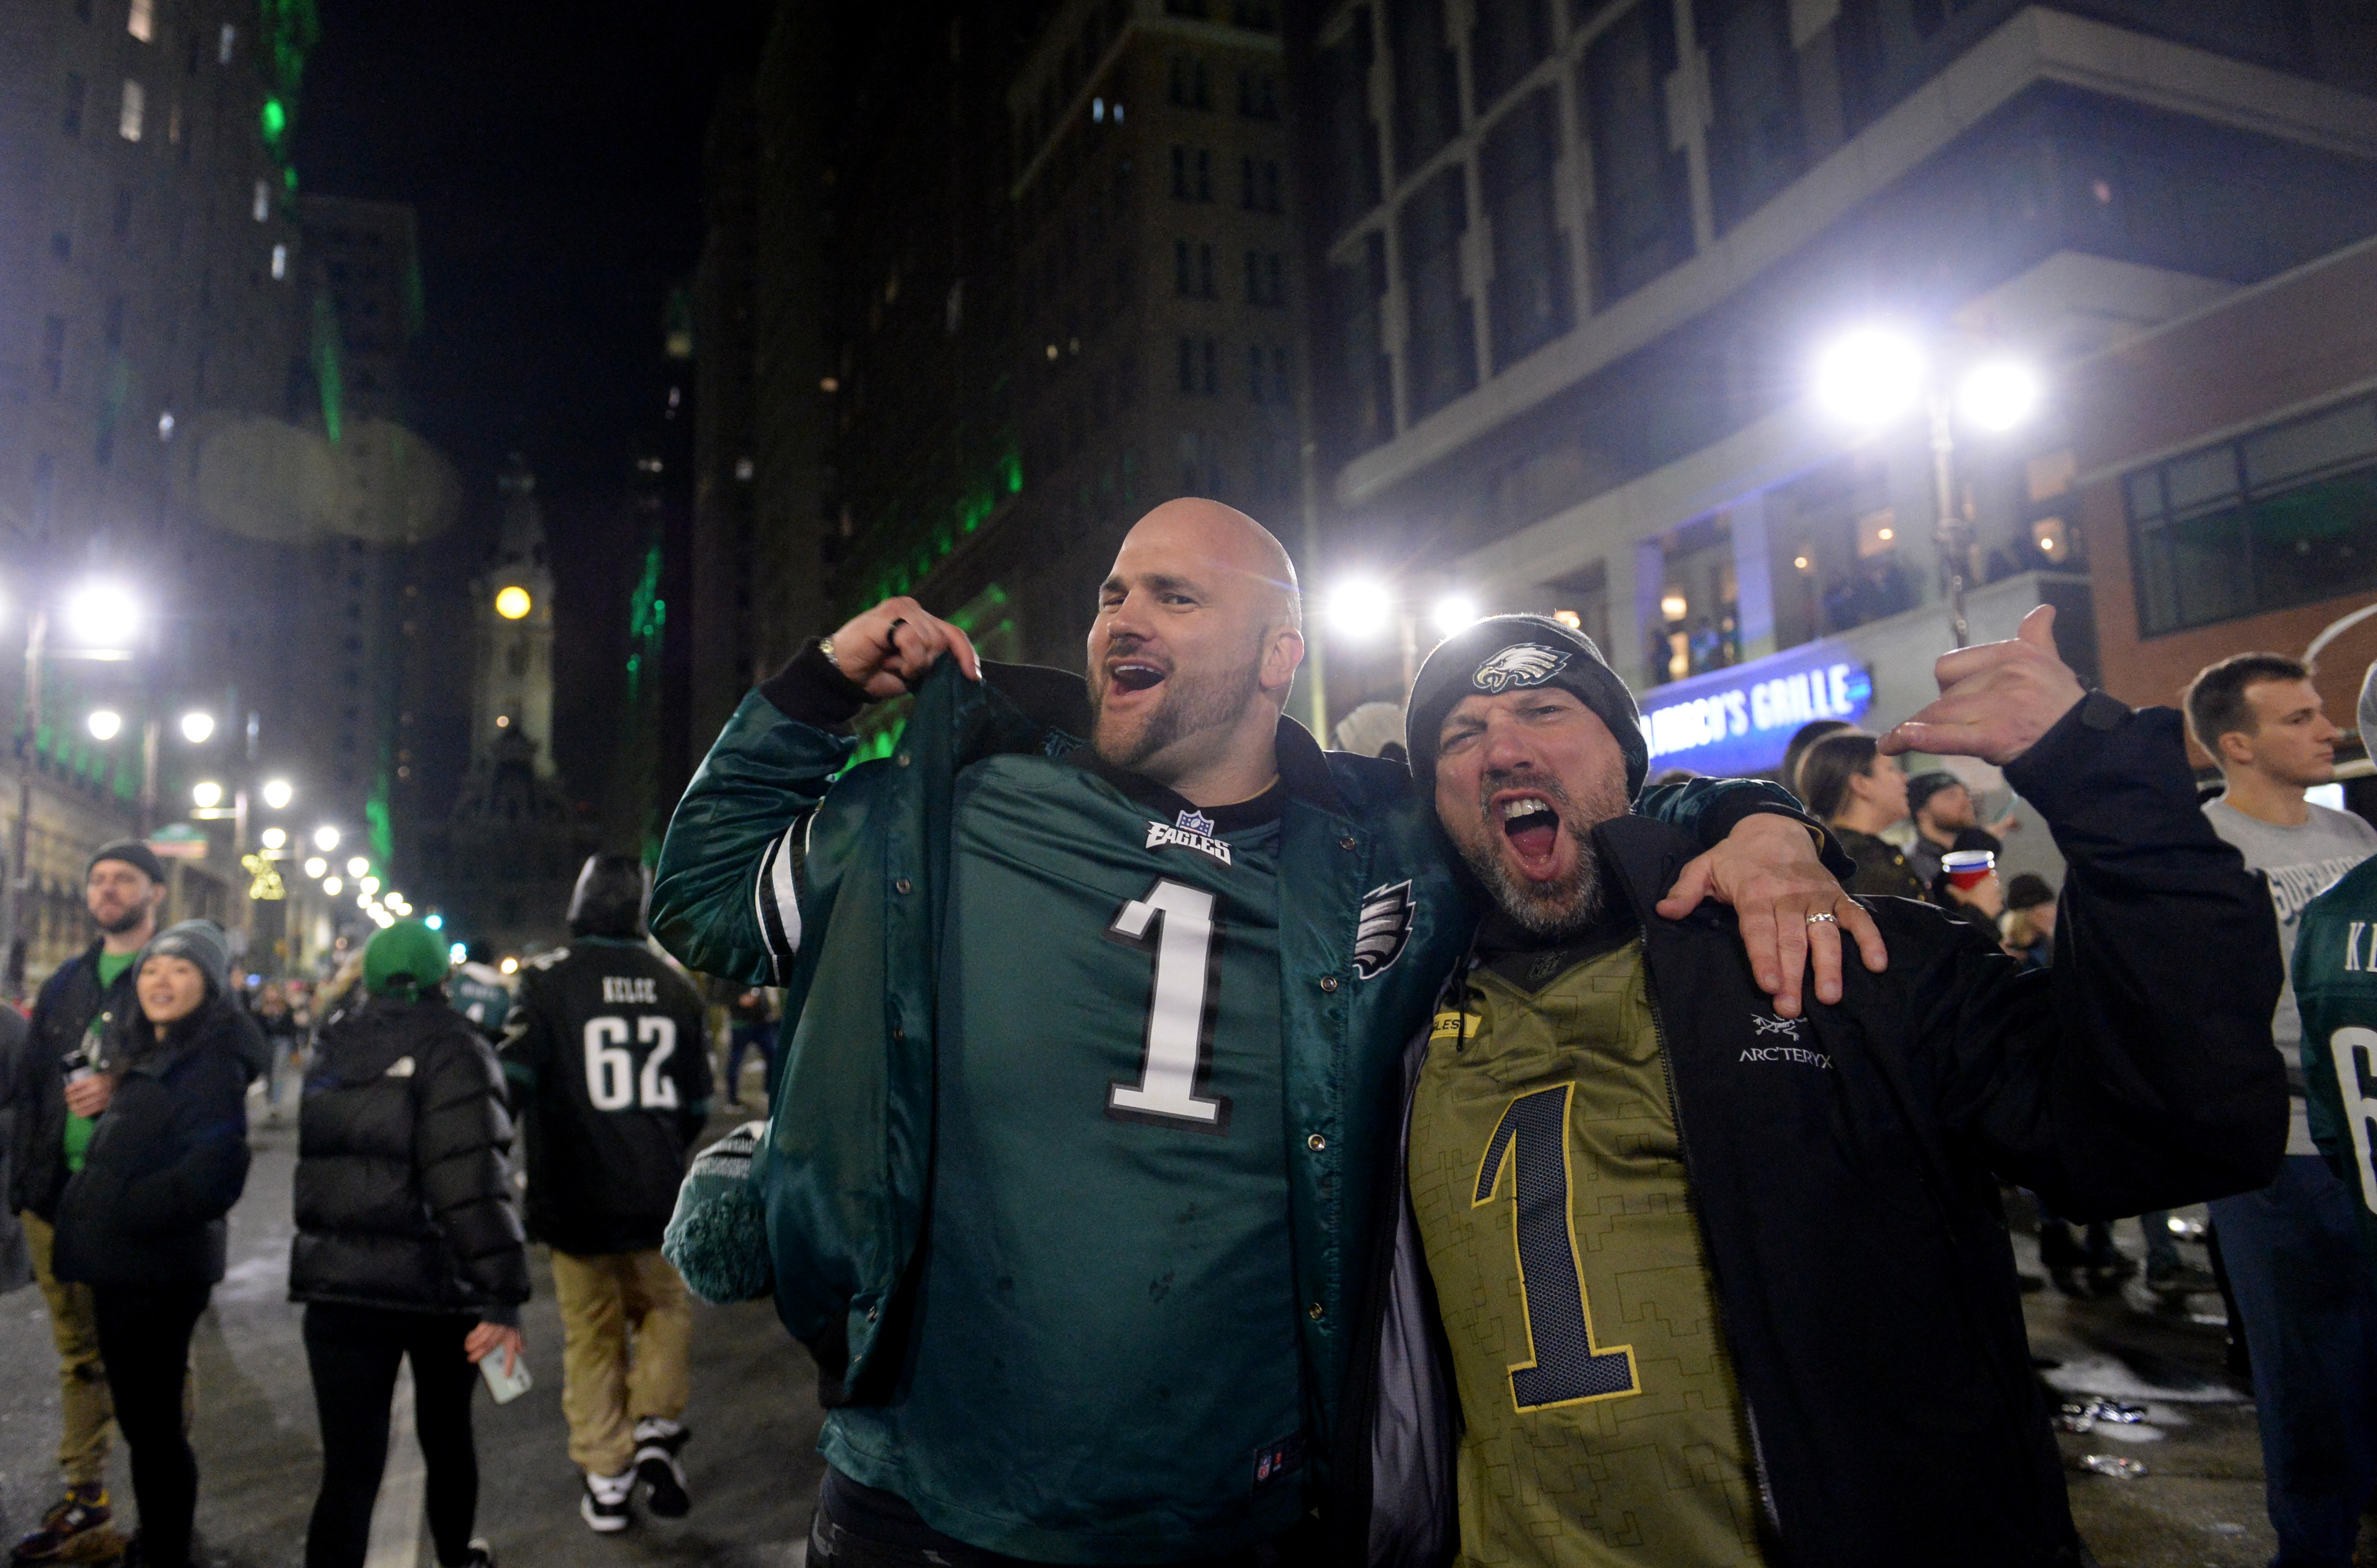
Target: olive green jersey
[
  {"x": 1103, "y": 1362},
  {"x": 1602, "y": 1422}
]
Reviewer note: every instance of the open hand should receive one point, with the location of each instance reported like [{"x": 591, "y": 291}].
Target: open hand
[
  {"x": 1996, "y": 700},
  {"x": 1768, "y": 869},
  {"x": 886, "y": 650}
]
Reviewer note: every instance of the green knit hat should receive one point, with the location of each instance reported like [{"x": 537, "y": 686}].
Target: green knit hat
[{"x": 405, "y": 952}]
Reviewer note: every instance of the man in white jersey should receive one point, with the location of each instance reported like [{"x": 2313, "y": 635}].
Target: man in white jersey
[{"x": 2259, "y": 715}]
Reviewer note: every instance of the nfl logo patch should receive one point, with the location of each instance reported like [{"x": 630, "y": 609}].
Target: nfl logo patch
[{"x": 1194, "y": 821}]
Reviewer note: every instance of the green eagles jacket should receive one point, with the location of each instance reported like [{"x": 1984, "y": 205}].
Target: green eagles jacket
[
  {"x": 785, "y": 865},
  {"x": 2335, "y": 987}
]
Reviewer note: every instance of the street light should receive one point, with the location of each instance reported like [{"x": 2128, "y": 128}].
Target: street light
[
  {"x": 326, "y": 838},
  {"x": 2000, "y": 395},
  {"x": 315, "y": 866},
  {"x": 100, "y": 616},
  {"x": 197, "y": 728},
  {"x": 1361, "y": 607},
  {"x": 207, "y": 794},
  {"x": 332, "y": 885},
  {"x": 512, "y": 602},
  {"x": 278, "y": 793},
  {"x": 105, "y": 723},
  {"x": 273, "y": 838},
  {"x": 1875, "y": 376},
  {"x": 357, "y": 866}
]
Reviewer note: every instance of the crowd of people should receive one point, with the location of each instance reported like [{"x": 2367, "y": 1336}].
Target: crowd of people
[
  {"x": 1188, "y": 1145},
  {"x": 125, "y": 1099}
]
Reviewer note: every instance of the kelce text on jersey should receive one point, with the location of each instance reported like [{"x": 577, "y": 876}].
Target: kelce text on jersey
[{"x": 630, "y": 989}]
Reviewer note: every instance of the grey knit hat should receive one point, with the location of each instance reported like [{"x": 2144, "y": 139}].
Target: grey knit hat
[
  {"x": 1506, "y": 653},
  {"x": 202, "y": 943}
]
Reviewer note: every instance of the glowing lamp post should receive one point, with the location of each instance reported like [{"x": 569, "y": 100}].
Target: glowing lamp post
[{"x": 1877, "y": 375}]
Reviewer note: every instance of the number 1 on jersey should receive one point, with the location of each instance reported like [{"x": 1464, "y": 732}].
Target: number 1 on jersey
[
  {"x": 1565, "y": 1366},
  {"x": 1180, "y": 1009}
]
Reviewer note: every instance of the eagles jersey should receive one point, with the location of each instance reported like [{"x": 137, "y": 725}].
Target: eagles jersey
[
  {"x": 610, "y": 1064},
  {"x": 1103, "y": 1364},
  {"x": 1602, "y": 1424},
  {"x": 480, "y": 994}
]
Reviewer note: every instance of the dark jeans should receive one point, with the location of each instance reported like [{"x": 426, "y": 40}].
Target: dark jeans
[
  {"x": 353, "y": 1354},
  {"x": 741, "y": 1039},
  {"x": 144, "y": 1338},
  {"x": 859, "y": 1526},
  {"x": 2295, "y": 1261}
]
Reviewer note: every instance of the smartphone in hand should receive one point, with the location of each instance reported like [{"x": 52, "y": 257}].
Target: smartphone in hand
[{"x": 506, "y": 1383}]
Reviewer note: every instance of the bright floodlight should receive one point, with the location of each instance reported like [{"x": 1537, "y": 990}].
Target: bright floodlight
[
  {"x": 357, "y": 866},
  {"x": 1870, "y": 376},
  {"x": 332, "y": 885},
  {"x": 315, "y": 866},
  {"x": 369, "y": 884},
  {"x": 197, "y": 728},
  {"x": 1453, "y": 611},
  {"x": 1999, "y": 395},
  {"x": 1360, "y": 608},
  {"x": 276, "y": 793},
  {"x": 438, "y": 922},
  {"x": 512, "y": 602},
  {"x": 273, "y": 838},
  {"x": 102, "y": 615},
  {"x": 105, "y": 723},
  {"x": 208, "y": 794}
]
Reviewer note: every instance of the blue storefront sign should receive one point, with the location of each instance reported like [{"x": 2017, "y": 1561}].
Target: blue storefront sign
[{"x": 1738, "y": 721}]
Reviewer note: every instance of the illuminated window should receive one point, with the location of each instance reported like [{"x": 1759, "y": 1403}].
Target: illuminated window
[
  {"x": 142, "y": 22},
  {"x": 263, "y": 208},
  {"x": 136, "y": 109},
  {"x": 280, "y": 261}
]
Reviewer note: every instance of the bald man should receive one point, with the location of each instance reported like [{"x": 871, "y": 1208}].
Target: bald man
[{"x": 1073, "y": 1180}]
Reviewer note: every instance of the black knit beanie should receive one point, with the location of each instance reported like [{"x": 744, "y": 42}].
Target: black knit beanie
[{"x": 1506, "y": 653}]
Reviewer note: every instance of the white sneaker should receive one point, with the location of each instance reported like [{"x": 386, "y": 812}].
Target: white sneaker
[{"x": 605, "y": 1504}]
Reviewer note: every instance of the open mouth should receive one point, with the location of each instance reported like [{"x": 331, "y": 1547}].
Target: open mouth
[
  {"x": 1134, "y": 675},
  {"x": 1530, "y": 823}
]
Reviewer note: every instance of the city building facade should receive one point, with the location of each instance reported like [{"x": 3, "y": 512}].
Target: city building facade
[
  {"x": 1580, "y": 268},
  {"x": 2227, "y": 483}
]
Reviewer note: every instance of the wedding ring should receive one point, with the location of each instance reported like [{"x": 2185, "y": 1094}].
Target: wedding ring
[{"x": 1822, "y": 919}]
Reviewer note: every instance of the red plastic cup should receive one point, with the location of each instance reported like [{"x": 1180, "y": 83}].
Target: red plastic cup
[{"x": 1967, "y": 869}]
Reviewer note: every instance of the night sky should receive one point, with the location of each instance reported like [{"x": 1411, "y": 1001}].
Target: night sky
[{"x": 554, "y": 157}]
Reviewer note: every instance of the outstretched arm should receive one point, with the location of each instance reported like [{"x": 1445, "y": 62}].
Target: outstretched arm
[{"x": 2140, "y": 1075}]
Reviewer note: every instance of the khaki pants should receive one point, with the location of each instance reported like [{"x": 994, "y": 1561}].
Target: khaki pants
[
  {"x": 626, "y": 1332},
  {"x": 83, "y": 1377}
]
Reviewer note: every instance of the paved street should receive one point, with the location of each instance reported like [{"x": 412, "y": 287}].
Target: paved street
[
  {"x": 752, "y": 1465},
  {"x": 2198, "y": 1506}
]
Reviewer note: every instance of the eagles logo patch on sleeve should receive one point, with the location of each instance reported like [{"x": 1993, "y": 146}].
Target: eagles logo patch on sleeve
[
  {"x": 1386, "y": 926},
  {"x": 1519, "y": 666}
]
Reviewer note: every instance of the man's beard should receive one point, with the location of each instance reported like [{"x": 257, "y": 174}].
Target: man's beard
[
  {"x": 1566, "y": 904},
  {"x": 129, "y": 920},
  {"x": 1191, "y": 704}
]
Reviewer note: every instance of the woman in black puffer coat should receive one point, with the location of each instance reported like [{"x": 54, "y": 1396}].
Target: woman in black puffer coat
[
  {"x": 409, "y": 1242},
  {"x": 142, "y": 1222}
]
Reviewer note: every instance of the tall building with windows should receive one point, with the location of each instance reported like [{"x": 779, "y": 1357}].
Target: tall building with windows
[
  {"x": 1158, "y": 345},
  {"x": 1580, "y": 265},
  {"x": 147, "y": 244}
]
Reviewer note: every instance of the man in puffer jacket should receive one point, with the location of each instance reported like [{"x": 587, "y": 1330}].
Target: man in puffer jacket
[{"x": 408, "y": 1242}]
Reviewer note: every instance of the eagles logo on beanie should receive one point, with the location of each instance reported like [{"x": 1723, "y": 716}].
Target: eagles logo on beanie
[{"x": 1509, "y": 653}]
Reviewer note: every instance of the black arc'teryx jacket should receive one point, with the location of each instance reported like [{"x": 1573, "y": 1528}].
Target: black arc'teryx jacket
[
  {"x": 404, "y": 1195},
  {"x": 1843, "y": 1169},
  {"x": 167, "y": 1160}
]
